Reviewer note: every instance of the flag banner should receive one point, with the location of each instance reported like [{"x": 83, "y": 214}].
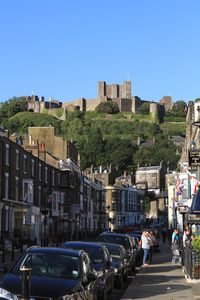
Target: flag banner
[
  {"x": 194, "y": 183},
  {"x": 179, "y": 187}
]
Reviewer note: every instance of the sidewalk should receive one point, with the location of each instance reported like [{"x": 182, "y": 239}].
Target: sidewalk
[{"x": 162, "y": 280}]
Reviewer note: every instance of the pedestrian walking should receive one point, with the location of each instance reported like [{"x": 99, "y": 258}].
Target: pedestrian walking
[
  {"x": 175, "y": 247},
  {"x": 187, "y": 238},
  {"x": 145, "y": 247},
  {"x": 152, "y": 241}
]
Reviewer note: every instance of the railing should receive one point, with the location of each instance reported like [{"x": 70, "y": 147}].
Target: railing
[{"x": 191, "y": 263}]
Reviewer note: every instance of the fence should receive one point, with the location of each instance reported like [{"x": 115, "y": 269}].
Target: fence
[{"x": 191, "y": 263}]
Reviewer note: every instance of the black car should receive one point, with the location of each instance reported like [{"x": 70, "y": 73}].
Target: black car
[
  {"x": 124, "y": 240},
  {"x": 119, "y": 262},
  {"x": 56, "y": 273},
  {"x": 138, "y": 249},
  {"x": 137, "y": 234},
  {"x": 101, "y": 262}
]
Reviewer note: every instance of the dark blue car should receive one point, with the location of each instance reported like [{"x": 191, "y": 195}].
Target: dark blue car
[
  {"x": 124, "y": 240},
  {"x": 119, "y": 262},
  {"x": 56, "y": 273},
  {"x": 101, "y": 262}
]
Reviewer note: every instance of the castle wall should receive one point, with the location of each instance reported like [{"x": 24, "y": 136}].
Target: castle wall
[
  {"x": 125, "y": 105},
  {"x": 114, "y": 90},
  {"x": 125, "y": 89},
  {"x": 101, "y": 89},
  {"x": 136, "y": 104},
  {"x": 153, "y": 109},
  {"x": 81, "y": 102},
  {"x": 91, "y": 104},
  {"x": 166, "y": 101}
]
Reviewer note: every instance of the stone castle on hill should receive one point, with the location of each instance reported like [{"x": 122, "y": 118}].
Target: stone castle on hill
[{"x": 119, "y": 93}]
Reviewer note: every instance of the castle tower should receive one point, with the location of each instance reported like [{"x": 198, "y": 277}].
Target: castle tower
[
  {"x": 101, "y": 89},
  {"x": 153, "y": 109},
  {"x": 125, "y": 89}
]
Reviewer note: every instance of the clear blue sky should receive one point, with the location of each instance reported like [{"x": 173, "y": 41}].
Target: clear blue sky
[{"x": 61, "y": 48}]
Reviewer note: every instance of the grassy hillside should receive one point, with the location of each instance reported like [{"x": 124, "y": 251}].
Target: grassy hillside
[{"x": 108, "y": 139}]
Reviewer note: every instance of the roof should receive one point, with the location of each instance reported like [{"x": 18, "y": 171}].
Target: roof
[
  {"x": 150, "y": 168},
  {"x": 177, "y": 139},
  {"x": 83, "y": 244},
  {"x": 35, "y": 249}
]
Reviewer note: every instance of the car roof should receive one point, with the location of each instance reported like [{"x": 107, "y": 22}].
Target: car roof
[
  {"x": 114, "y": 233},
  {"x": 57, "y": 250},
  {"x": 83, "y": 244}
]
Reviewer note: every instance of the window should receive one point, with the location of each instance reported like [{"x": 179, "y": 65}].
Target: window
[
  {"x": 7, "y": 154},
  {"x": 17, "y": 159},
  {"x": 39, "y": 195},
  {"x": 16, "y": 188},
  {"x": 58, "y": 178},
  {"x": 113, "y": 206},
  {"x": 24, "y": 164},
  {"x": 6, "y": 185},
  {"x": 32, "y": 167},
  {"x": 53, "y": 177},
  {"x": 28, "y": 191},
  {"x": 46, "y": 174},
  {"x": 40, "y": 172},
  {"x": 54, "y": 203}
]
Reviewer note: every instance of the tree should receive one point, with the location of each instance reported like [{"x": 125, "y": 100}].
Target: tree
[
  {"x": 119, "y": 152},
  {"x": 179, "y": 108},
  {"x": 145, "y": 108},
  {"x": 12, "y": 107},
  {"x": 108, "y": 107}
]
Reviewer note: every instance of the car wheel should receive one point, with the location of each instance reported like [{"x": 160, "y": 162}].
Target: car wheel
[
  {"x": 120, "y": 282},
  {"x": 133, "y": 270},
  {"x": 103, "y": 295},
  {"x": 111, "y": 287},
  {"x": 126, "y": 277}
]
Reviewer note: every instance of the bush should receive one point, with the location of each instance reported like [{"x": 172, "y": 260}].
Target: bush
[
  {"x": 108, "y": 107},
  {"x": 196, "y": 243}
]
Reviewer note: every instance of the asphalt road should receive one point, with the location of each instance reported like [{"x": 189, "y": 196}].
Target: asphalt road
[{"x": 117, "y": 293}]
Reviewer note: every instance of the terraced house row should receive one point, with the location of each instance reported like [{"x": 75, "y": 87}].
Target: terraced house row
[{"x": 44, "y": 196}]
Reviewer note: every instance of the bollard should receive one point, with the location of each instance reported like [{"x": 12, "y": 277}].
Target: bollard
[{"x": 25, "y": 282}]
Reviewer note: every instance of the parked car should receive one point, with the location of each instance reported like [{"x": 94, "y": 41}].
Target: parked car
[
  {"x": 138, "y": 250},
  {"x": 125, "y": 241},
  {"x": 56, "y": 273},
  {"x": 137, "y": 234},
  {"x": 119, "y": 262},
  {"x": 101, "y": 262}
]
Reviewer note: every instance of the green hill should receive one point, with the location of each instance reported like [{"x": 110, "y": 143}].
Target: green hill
[{"x": 108, "y": 139}]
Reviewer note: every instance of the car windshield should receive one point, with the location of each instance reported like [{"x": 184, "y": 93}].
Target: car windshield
[
  {"x": 96, "y": 254},
  {"x": 115, "y": 239},
  {"x": 114, "y": 252},
  {"x": 49, "y": 264}
]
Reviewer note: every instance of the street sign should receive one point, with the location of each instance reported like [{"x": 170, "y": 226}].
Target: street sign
[{"x": 194, "y": 157}]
